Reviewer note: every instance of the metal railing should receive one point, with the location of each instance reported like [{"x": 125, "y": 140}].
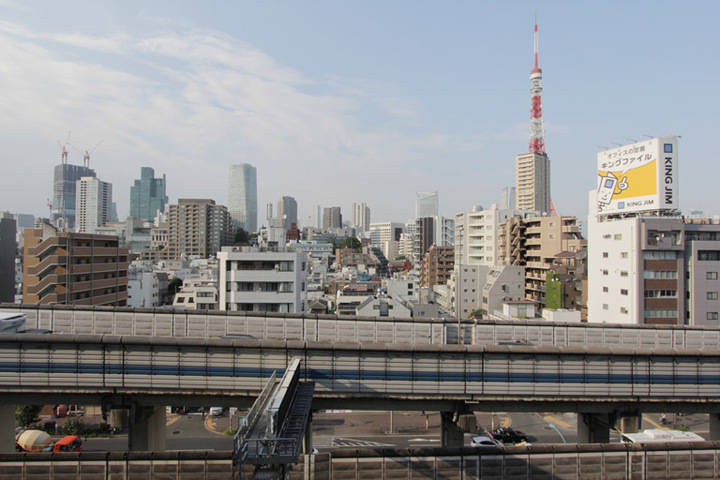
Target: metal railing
[{"x": 247, "y": 423}]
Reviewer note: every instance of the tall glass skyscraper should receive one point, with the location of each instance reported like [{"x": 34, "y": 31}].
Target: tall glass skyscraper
[
  {"x": 242, "y": 196},
  {"x": 63, "y": 202},
  {"x": 147, "y": 195}
]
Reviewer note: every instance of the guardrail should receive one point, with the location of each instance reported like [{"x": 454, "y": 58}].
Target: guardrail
[
  {"x": 278, "y": 408},
  {"x": 248, "y": 422}
]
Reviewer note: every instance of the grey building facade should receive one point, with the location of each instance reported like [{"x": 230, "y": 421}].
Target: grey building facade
[
  {"x": 287, "y": 210},
  {"x": 8, "y": 250},
  {"x": 64, "y": 186}
]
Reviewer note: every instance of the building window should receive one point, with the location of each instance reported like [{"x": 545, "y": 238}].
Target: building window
[
  {"x": 623, "y": 310},
  {"x": 605, "y": 272},
  {"x": 623, "y": 273},
  {"x": 607, "y": 236},
  {"x": 623, "y": 291},
  {"x": 623, "y": 254},
  {"x": 661, "y": 313},
  {"x": 712, "y": 275},
  {"x": 712, "y": 315},
  {"x": 605, "y": 254},
  {"x": 605, "y": 306},
  {"x": 709, "y": 255},
  {"x": 605, "y": 289},
  {"x": 712, "y": 295},
  {"x": 660, "y": 275},
  {"x": 617, "y": 236},
  {"x": 660, "y": 255}
]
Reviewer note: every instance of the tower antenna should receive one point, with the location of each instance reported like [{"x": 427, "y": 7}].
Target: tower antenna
[{"x": 537, "y": 131}]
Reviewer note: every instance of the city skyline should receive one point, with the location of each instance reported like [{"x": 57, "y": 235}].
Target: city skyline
[{"x": 367, "y": 122}]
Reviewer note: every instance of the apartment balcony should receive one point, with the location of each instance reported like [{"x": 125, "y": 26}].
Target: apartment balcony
[
  {"x": 46, "y": 282},
  {"x": 95, "y": 251},
  {"x": 52, "y": 242},
  {"x": 260, "y": 297},
  {"x": 48, "y": 262},
  {"x": 99, "y": 267}
]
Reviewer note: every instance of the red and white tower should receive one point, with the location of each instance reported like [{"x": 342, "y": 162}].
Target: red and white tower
[{"x": 537, "y": 132}]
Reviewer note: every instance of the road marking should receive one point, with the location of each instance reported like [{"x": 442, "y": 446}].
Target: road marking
[
  {"x": 424, "y": 440},
  {"x": 654, "y": 423},
  {"x": 557, "y": 421},
  {"x": 506, "y": 422},
  {"x": 353, "y": 442},
  {"x": 172, "y": 419}
]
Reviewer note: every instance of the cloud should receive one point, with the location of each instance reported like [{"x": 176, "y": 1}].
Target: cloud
[{"x": 191, "y": 102}]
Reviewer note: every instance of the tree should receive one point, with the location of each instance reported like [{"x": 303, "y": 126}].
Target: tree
[
  {"x": 27, "y": 414},
  {"x": 241, "y": 237},
  {"x": 174, "y": 285},
  {"x": 354, "y": 243},
  {"x": 477, "y": 313}
]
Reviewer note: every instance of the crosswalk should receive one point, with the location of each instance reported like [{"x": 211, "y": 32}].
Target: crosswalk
[{"x": 343, "y": 442}]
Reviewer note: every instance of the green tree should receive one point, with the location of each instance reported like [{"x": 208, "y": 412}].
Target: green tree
[
  {"x": 27, "y": 414},
  {"x": 74, "y": 426},
  {"x": 241, "y": 237},
  {"x": 174, "y": 285},
  {"x": 354, "y": 243},
  {"x": 477, "y": 313}
]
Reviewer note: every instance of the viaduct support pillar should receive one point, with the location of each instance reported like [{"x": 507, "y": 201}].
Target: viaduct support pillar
[
  {"x": 147, "y": 429},
  {"x": 593, "y": 428},
  {"x": 714, "y": 426},
  {"x": 7, "y": 428},
  {"x": 630, "y": 422},
  {"x": 451, "y": 435},
  {"x": 307, "y": 438}
]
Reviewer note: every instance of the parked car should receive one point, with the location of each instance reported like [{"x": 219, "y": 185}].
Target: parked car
[
  {"x": 216, "y": 411},
  {"x": 485, "y": 441}
]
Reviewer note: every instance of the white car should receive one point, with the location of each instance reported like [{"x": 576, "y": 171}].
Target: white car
[
  {"x": 216, "y": 411},
  {"x": 485, "y": 441}
]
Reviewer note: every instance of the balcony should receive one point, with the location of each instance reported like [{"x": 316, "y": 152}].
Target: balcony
[
  {"x": 260, "y": 297},
  {"x": 45, "y": 282},
  {"x": 47, "y": 262}
]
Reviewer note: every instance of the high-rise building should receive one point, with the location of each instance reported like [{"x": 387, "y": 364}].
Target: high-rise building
[
  {"x": 507, "y": 198},
  {"x": 73, "y": 268},
  {"x": 361, "y": 217},
  {"x": 198, "y": 227},
  {"x": 382, "y": 232},
  {"x": 532, "y": 169},
  {"x": 332, "y": 218},
  {"x": 269, "y": 211},
  {"x": 287, "y": 211},
  {"x": 242, "y": 196},
  {"x": 93, "y": 203},
  {"x": 426, "y": 204},
  {"x": 436, "y": 266},
  {"x": 316, "y": 217},
  {"x": 8, "y": 250},
  {"x": 64, "y": 185},
  {"x": 430, "y": 231},
  {"x": 147, "y": 195}
]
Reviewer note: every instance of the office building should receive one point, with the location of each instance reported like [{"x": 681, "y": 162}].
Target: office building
[
  {"x": 361, "y": 217},
  {"x": 198, "y": 227},
  {"x": 147, "y": 195},
  {"x": 507, "y": 199},
  {"x": 430, "y": 231},
  {"x": 8, "y": 251},
  {"x": 316, "y": 217},
  {"x": 287, "y": 210},
  {"x": 532, "y": 182},
  {"x": 332, "y": 218},
  {"x": 64, "y": 187},
  {"x": 436, "y": 266},
  {"x": 382, "y": 232},
  {"x": 242, "y": 196},
  {"x": 252, "y": 280},
  {"x": 73, "y": 268},
  {"x": 427, "y": 204},
  {"x": 93, "y": 199}
]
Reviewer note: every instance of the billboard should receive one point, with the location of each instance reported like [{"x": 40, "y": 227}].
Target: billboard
[{"x": 638, "y": 177}]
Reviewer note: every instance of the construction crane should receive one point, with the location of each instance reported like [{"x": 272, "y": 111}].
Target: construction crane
[
  {"x": 63, "y": 146},
  {"x": 87, "y": 153}
]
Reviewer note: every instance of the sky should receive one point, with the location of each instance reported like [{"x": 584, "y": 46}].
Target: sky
[{"x": 342, "y": 102}]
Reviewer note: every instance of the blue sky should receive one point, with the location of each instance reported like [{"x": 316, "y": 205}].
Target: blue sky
[{"x": 336, "y": 102}]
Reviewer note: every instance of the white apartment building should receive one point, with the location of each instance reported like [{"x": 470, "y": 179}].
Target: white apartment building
[
  {"x": 532, "y": 182},
  {"x": 382, "y": 232},
  {"x": 476, "y": 235},
  {"x": 197, "y": 294},
  {"x": 145, "y": 288},
  {"x": 93, "y": 200},
  {"x": 252, "y": 280}
]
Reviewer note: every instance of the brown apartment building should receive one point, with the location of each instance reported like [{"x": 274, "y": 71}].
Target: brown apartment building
[
  {"x": 436, "y": 266},
  {"x": 73, "y": 268},
  {"x": 536, "y": 243}
]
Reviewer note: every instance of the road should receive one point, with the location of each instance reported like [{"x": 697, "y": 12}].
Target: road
[{"x": 344, "y": 429}]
